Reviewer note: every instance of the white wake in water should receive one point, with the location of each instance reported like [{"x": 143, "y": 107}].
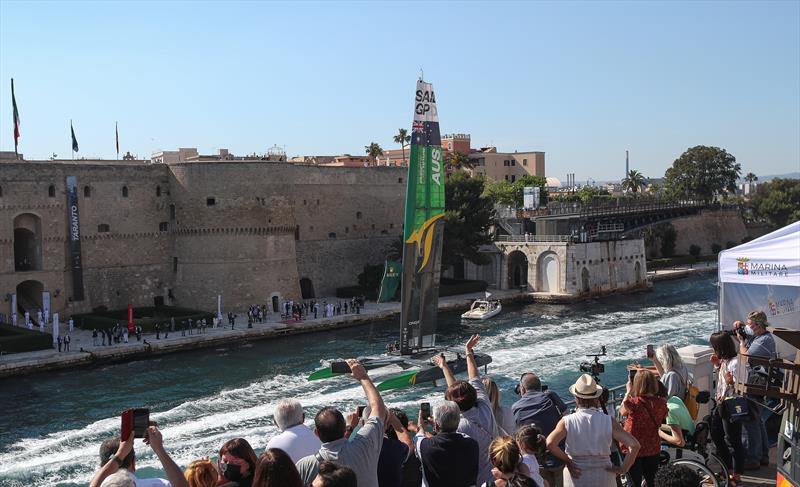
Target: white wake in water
[{"x": 518, "y": 341}]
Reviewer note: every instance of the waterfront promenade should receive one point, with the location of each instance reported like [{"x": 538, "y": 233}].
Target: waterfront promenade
[{"x": 83, "y": 352}]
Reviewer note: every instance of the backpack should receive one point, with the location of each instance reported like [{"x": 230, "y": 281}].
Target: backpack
[{"x": 690, "y": 397}]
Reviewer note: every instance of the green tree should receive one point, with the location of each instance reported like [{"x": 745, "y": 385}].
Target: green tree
[
  {"x": 512, "y": 194},
  {"x": 668, "y": 239},
  {"x": 750, "y": 178},
  {"x": 588, "y": 194},
  {"x": 634, "y": 181},
  {"x": 373, "y": 150},
  {"x": 468, "y": 217},
  {"x": 702, "y": 173},
  {"x": 403, "y": 139},
  {"x": 777, "y": 201}
]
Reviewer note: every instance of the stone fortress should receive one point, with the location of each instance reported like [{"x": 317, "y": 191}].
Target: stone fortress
[{"x": 253, "y": 231}]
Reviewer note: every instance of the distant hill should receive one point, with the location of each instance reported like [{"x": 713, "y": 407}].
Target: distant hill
[{"x": 791, "y": 175}]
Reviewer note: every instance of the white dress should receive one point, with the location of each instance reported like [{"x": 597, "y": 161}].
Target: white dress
[{"x": 588, "y": 443}]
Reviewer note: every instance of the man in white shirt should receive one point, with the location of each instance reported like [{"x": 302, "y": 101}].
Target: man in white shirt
[{"x": 296, "y": 439}]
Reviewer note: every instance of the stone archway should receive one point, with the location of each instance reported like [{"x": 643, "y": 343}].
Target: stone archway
[
  {"x": 637, "y": 271},
  {"x": 517, "y": 269},
  {"x": 306, "y": 288},
  {"x": 585, "y": 287},
  {"x": 275, "y": 301},
  {"x": 29, "y": 297},
  {"x": 548, "y": 270},
  {"x": 27, "y": 242}
]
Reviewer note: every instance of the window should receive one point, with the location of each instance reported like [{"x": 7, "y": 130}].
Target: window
[
  {"x": 124, "y": 191},
  {"x": 211, "y": 201},
  {"x": 358, "y": 215},
  {"x": 51, "y": 191},
  {"x": 512, "y": 162},
  {"x": 391, "y": 225},
  {"x": 163, "y": 227},
  {"x": 524, "y": 162},
  {"x": 87, "y": 192},
  {"x": 400, "y": 180},
  {"x": 103, "y": 228},
  {"x": 305, "y": 202},
  {"x": 158, "y": 191},
  {"x": 172, "y": 212},
  {"x": 332, "y": 235},
  {"x": 297, "y": 232},
  {"x": 174, "y": 264},
  {"x": 506, "y": 177},
  {"x": 346, "y": 229},
  {"x": 513, "y": 178},
  {"x": 1, "y": 191}
]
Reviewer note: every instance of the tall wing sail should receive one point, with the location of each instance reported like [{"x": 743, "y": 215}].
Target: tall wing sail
[{"x": 424, "y": 225}]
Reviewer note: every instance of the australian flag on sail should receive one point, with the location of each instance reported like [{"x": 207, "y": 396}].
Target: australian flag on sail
[
  {"x": 424, "y": 130},
  {"x": 74, "y": 140}
]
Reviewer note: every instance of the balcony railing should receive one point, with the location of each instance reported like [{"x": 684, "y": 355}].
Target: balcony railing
[{"x": 533, "y": 238}]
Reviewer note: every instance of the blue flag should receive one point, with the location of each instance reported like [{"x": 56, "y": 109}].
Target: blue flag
[{"x": 74, "y": 140}]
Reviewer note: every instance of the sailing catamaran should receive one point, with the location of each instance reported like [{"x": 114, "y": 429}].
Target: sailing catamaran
[{"x": 423, "y": 232}]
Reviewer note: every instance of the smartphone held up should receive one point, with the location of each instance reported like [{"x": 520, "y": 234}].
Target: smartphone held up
[{"x": 136, "y": 420}]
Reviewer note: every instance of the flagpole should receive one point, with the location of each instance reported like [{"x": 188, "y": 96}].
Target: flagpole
[{"x": 72, "y": 146}]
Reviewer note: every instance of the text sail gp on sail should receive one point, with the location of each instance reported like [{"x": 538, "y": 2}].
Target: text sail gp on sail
[{"x": 423, "y": 228}]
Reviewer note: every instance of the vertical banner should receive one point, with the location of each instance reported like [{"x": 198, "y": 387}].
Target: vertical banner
[
  {"x": 14, "y": 309},
  {"x": 76, "y": 264},
  {"x": 131, "y": 327},
  {"x": 56, "y": 328},
  {"x": 46, "y": 306},
  {"x": 219, "y": 307},
  {"x": 391, "y": 279}
]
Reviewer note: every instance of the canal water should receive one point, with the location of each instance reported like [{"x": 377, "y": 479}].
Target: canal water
[{"x": 52, "y": 424}]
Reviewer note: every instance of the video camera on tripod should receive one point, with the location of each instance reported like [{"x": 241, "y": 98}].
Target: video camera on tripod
[{"x": 595, "y": 368}]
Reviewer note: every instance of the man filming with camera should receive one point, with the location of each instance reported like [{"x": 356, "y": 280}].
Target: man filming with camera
[
  {"x": 544, "y": 409},
  {"x": 756, "y": 341}
]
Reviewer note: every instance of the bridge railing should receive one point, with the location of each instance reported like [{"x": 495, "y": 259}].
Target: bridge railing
[
  {"x": 618, "y": 207},
  {"x": 532, "y": 238}
]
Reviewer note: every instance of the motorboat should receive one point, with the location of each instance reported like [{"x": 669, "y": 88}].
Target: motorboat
[{"x": 483, "y": 309}]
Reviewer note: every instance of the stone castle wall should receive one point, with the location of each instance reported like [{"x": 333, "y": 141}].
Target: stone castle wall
[{"x": 246, "y": 230}]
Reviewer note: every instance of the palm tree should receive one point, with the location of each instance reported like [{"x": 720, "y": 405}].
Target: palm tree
[
  {"x": 634, "y": 182},
  {"x": 750, "y": 178},
  {"x": 373, "y": 150},
  {"x": 403, "y": 139},
  {"x": 456, "y": 161}
]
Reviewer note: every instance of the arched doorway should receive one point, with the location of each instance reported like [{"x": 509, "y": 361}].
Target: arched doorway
[
  {"x": 276, "y": 304},
  {"x": 29, "y": 297},
  {"x": 637, "y": 270},
  {"x": 549, "y": 269},
  {"x": 27, "y": 242},
  {"x": 585, "y": 280},
  {"x": 306, "y": 288},
  {"x": 517, "y": 269}
]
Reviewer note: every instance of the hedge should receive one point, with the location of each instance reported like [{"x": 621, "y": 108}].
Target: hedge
[
  {"x": 146, "y": 317},
  {"x": 14, "y": 339}
]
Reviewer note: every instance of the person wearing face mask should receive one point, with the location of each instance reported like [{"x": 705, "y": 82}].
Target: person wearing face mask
[
  {"x": 237, "y": 464},
  {"x": 756, "y": 341}
]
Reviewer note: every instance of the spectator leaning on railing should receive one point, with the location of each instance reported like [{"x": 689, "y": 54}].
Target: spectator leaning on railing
[
  {"x": 477, "y": 419},
  {"x": 362, "y": 451}
]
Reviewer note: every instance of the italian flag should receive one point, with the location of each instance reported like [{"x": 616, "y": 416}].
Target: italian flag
[{"x": 16, "y": 117}]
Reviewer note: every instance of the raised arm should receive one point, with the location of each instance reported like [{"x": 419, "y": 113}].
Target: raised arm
[
  {"x": 374, "y": 399},
  {"x": 402, "y": 433},
  {"x": 173, "y": 471},
  {"x": 440, "y": 362},
  {"x": 472, "y": 366}
]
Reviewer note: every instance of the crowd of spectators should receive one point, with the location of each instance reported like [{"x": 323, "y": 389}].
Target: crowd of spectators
[{"x": 470, "y": 439}]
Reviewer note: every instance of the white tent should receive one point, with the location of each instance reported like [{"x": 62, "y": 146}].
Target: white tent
[{"x": 763, "y": 274}]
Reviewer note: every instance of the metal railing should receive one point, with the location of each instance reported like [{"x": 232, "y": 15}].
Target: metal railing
[
  {"x": 532, "y": 238},
  {"x": 615, "y": 395}
]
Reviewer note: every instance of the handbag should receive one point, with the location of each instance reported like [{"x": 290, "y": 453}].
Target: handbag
[
  {"x": 735, "y": 409},
  {"x": 690, "y": 397}
]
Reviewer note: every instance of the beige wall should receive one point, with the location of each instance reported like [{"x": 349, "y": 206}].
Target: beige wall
[{"x": 499, "y": 166}]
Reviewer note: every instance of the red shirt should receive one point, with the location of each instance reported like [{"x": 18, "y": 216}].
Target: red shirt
[{"x": 645, "y": 415}]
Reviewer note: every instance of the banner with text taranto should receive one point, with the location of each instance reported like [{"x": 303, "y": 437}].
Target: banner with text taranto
[
  {"x": 424, "y": 225},
  {"x": 74, "y": 231}
]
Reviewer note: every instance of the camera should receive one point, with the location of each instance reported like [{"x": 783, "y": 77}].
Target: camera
[
  {"x": 595, "y": 368},
  {"x": 737, "y": 333}
]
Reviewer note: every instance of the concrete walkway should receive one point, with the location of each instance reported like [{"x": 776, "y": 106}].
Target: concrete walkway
[
  {"x": 679, "y": 272},
  {"x": 84, "y": 352}
]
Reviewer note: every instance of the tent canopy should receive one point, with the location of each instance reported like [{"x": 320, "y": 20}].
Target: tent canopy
[
  {"x": 763, "y": 274},
  {"x": 773, "y": 259}
]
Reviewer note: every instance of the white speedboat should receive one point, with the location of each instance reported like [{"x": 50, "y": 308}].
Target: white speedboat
[{"x": 483, "y": 309}]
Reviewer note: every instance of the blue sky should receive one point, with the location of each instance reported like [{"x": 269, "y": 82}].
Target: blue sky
[{"x": 581, "y": 81}]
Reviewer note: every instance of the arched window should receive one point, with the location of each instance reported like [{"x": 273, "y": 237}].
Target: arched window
[
  {"x": 124, "y": 191},
  {"x": 158, "y": 190},
  {"x": 358, "y": 215},
  {"x": 332, "y": 235},
  {"x": 103, "y": 228},
  {"x": 87, "y": 192},
  {"x": 51, "y": 191}
]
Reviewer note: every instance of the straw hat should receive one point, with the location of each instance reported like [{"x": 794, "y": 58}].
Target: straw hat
[{"x": 586, "y": 387}]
